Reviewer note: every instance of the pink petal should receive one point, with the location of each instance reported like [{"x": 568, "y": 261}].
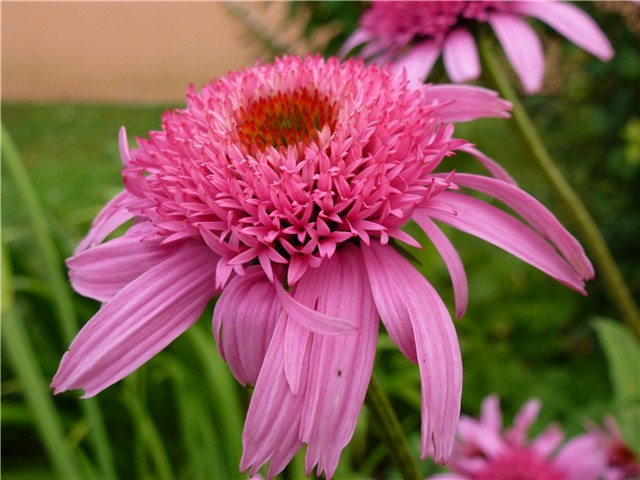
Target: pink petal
[
  {"x": 273, "y": 419},
  {"x": 339, "y": 367},
  {"x": 463, "y": 103},
  {"x": 493, "y": 167},
  {"x": 523, "y": 48},
  {"x": 451, "y": 259},
  {"x": 102, "y": 271},
  {"x": 490, "y": 415},
  {"x": 124, "y": 146},
  {"x": 571, "y": 22},
  {"x": 480, "y": 437},
  {"x": 418, "y": 61},
  {"x": 114, "y": 214},
  {"x": 246, "y": 312},
  {"x": 138, "y": 322},
  {"x": 438, "y": 352},
  {"x": 311, "y": 319},
  {"x": 536, "y": 215},
  {"x": 517, "y": 435},
  {"x": 485, "y": 221},
  {"x": 582, "y": 458},
  {"x": 358, "y": 37},
  {"x": 460, "y": 56},
  {"x": 548, "y": 441}
]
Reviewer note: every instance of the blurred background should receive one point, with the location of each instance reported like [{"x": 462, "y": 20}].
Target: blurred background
[{"x": 73, "y": 73}]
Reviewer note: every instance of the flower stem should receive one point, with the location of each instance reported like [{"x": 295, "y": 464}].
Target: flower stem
[
  {"x": 613, "y": 281},
  {"x": 394, "y": 437}
]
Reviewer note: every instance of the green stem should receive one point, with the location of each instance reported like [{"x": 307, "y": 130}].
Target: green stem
[
  {"x": 613, "y": 281},
  {"x": 394, "y": 437}
]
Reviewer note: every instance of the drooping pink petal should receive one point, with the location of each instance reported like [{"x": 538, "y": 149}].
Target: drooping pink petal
[
  {"x": 571, "y": 22},
  {"x": 460, "y": 56},
  {"x": 273, "y": 419},
  {"x": 102, "y": 271},
  {"x": 485, "y": 221},
  {"x": 139, "y": 321},
  {"x": 536, "y": 214},
  {"x": 463, "y": 103},
  {"x": 523, "y": 48},
  {"x": 313, "y": 320},
  {"x": 244, "y": 319},
  {"x": 438, "y": 352},
  {"x": 339, "y": 366},
  {"x": 114, "y": 214},
  {"x": 418, "y": 61},
  {"x": 451, "y": 259},
  {"x": 491, "y": 165},
  {"x": 582, "y": 458},
  {"x": 358, "y": 37}
]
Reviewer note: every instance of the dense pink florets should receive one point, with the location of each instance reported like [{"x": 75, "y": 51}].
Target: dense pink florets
[{"x": 284, "y": 189}]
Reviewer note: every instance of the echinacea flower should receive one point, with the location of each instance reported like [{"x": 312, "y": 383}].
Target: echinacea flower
[
  {"x": 622, "y": 461},
  {"x": 413, "y": 34},
  {"x": 484, "y": 451},
  {"x": 282, "y": 187}
]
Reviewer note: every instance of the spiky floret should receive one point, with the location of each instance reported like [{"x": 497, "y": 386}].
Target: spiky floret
[{"x": 283, "y": 162}]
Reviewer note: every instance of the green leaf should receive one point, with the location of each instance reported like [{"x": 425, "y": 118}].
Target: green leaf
[{"x": 623, "y": 356}]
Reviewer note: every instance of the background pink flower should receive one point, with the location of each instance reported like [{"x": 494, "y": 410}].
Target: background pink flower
[
  {"x": 486, "y": 451},
  {"x": 412, "y": 35},
  {"x": 282, "y": 187}
]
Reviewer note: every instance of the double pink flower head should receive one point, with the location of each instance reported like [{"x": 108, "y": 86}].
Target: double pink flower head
[
  {"x": 485, "y": 450},
  {"x": 284, "y": 188},
  {"x": 413, "y": 34}
]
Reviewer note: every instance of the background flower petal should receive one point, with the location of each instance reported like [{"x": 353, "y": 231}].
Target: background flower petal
[
  {"x": 460, "y": 56},
  {"x": 522, "y": 47},
  {"x": 571, "y": 22}
]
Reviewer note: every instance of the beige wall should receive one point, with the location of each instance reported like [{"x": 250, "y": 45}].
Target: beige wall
[{"x": 123, "y": 51}]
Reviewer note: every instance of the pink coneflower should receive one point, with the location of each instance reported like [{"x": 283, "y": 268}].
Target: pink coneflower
[
  {"x": 622, "y": 462},
  {"x": 413, "y": 34},
  {"x": 484, "y": 451},
  {"x": 284, "y": 187}
]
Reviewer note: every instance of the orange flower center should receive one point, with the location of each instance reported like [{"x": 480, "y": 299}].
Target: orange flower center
[{"x": 286, "y": 118}]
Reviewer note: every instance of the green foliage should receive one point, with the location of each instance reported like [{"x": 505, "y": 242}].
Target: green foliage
[{"x": 623, "y": 355}]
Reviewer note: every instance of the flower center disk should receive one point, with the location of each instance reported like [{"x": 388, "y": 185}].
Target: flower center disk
[{"x": 285, "y": 118}]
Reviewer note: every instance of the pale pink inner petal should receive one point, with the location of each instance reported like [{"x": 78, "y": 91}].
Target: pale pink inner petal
[
  {"x": 571, "y": 22},
  {"x": 243, "y": 322},
  {"x": 460, "y": 56},
  {"x": 312, "y": 319},
  {"x": 523, "y": 48},
  {"x": 139, "y": 321},
  {"x": 490, "y": 415}
]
